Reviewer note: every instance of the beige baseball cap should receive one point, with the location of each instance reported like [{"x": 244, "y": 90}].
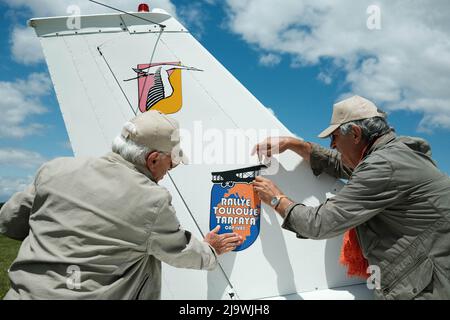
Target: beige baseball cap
[
  {"x": 353, "y": 108},
  {"x": 158, "y": 132}
]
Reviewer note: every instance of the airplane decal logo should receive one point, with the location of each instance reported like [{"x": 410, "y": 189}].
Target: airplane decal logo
[
  {"x": 159, "y": 86},
  {"x": 234, "y": 204}
]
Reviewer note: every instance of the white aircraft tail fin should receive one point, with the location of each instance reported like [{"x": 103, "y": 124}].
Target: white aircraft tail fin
[{"x": 172, "y": 72}]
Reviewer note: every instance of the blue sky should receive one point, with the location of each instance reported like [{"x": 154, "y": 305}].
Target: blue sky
[{"x": 296, "y": 57}]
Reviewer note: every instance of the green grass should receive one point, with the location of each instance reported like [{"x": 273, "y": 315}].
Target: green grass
[{"x": 8, "y": 252}]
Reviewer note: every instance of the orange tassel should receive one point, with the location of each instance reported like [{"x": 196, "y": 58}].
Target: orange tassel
[{"x": 352, "y": 257}]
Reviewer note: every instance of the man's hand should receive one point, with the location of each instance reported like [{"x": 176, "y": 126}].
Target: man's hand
[
  {"x": 274, "y": 145},
  {"x": 266, "y": 189},
  {"x": 271, "y": 146},
  {"x": 222, "y": 243}
]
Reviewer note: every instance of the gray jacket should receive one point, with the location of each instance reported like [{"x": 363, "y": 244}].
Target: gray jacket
[
  {"x": 96, "y": 228},
  {"x": 400, "y": 203}
]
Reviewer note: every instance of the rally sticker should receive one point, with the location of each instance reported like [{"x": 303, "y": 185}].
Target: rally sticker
[{"x": 234, "y": 204}]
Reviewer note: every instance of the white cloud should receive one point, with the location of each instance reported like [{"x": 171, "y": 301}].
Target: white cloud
[
  {"x": 325, "y": 78},
  {"x": 21, "y": 158},
  {"x": 26, "y": 47},
  {"x": 269, "y": 59},
  {"x": 404, "y": 65},
  {"x": 9, "y": 186},
  {"x": 193, "y": 17},
  {"x": 20, "y": 100}
]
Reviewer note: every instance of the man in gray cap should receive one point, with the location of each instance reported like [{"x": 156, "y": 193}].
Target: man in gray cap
[
  {"x": 99, "y": 228},
  {"x": 394, "y": 209}
]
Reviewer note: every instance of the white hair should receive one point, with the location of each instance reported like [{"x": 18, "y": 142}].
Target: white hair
[
  {"x": 128, "y": 149},
  {"x": 371, "y": 128}
]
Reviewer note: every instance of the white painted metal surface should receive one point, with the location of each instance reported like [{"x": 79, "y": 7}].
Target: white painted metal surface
[{"x": 89, "y": 89}]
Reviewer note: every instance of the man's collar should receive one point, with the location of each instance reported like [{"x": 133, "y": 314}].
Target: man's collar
[
  {"x": 142, "y": 169},
  {"x": 381, "y": 141}
]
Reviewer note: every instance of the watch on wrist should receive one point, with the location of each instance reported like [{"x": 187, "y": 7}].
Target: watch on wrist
[{"x": 276, "y": 201}]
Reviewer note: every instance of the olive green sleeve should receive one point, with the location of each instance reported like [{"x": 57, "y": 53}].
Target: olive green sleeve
[
  {"x": 366, "y": 194},
  {"x": 328, "y": 161}
]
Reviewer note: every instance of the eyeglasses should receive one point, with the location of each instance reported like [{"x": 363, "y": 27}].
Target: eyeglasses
[
  {"x": 173, "y": 164},
  {"x": 333, "y": 140}
]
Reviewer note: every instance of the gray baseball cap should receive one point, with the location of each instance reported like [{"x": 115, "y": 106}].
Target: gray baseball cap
[
  {"x": 159, "y": 132},
  {"x": 353, "y": 108}
]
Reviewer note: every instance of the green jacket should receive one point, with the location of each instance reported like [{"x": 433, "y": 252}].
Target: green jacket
[
  {"x": 399, "y": 203},
  {"x": 96, "y": 228}
]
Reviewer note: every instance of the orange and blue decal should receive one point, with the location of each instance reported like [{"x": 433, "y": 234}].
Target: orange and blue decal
[{"x": 234, "y": 204}]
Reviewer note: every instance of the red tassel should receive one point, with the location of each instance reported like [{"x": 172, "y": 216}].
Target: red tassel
[{"x": 352, "y": 257}]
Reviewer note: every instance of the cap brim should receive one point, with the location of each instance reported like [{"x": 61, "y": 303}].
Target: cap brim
[{"x": 325, "y": 133}]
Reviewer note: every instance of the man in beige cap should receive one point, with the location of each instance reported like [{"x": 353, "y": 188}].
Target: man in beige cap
[
  {"x": 394, "y": 209},
  {"x": 99, "y": 228}
]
